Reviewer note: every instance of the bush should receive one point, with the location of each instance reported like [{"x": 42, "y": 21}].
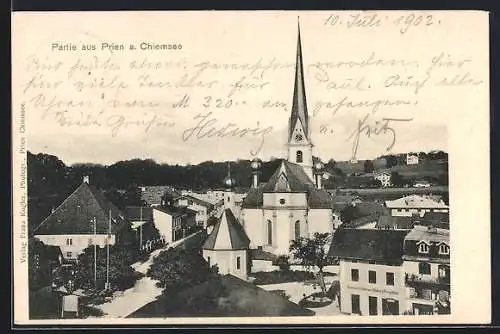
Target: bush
[
  {"x": 277, "y": 276},
  {"x": 282, "y": 262}
]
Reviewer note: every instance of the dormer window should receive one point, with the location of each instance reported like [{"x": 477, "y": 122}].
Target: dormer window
[
  {"x": 282, "y": 201},
  {"x": 423, "y": 248},
  {"x": 444, "y": 249}
]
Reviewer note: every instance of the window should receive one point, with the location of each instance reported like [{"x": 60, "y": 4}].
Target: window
[
  {"x": 299, "y": 157},
  {"x": 238, "y": 262},
  {"x": 423, "y": 248},
  {"x": 354, "y": 275},
  {"x": 424, "y": 268},
  {"x": 208, "y": 260},
  {"x": 390, "y": 307},
  {"x": 372, "y": 305},
  {"x": 269, "y": 232},
  {"x": 68, "y": 254},
  {"x": 228, "y": 199},
  {"x": 444, "y": 249},
  {"x": 282, "y": 201},
  {"x": 69, "y": 242},
  {"x": 389, "y": 278},
  {"x": 297, "y": 230},
  {"x": 355, "y": 304},
  {"x": 372, "y": 276}
]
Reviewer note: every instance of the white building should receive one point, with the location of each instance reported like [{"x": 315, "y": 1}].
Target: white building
[
  {"x": 427, "y": 267},
  {"x": 83, "y": 219},
  {"x": 227, "y": 247},
  {"x": 173, "y": 223},
  {"x": 371, "y": 271},
  {"x": 412, "y": 159},
  {"x": 291, "y": 204},
  {"x": 416, "y": 204},
  {"x": 202, "y": 208}
]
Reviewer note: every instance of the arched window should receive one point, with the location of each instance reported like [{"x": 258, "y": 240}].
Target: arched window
[
  {"x": 424, "y": 268},
  {"x": 269, "y": 232},
  {"x": 208, "y": 260},
  {"x": 299, "y": 157},
  {"x": 297, "y": 230}
]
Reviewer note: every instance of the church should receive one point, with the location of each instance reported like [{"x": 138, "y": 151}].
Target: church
[{"x": 292, "y": 203}]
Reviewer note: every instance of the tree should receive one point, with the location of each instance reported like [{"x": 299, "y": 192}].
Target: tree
[
  {"x": 313, "y": 252},
  {"x": 177, "y": 268},
  {"x": 121, "y": 275},
  {"x": 368, "y": 166},
  {"x": 391, "y": 161},
  {"x": 396, "y": 179},
  {"x": 348, "y": 214}
]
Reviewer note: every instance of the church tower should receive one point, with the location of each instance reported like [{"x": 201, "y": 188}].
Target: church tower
[{"x": 299, "y": 137}]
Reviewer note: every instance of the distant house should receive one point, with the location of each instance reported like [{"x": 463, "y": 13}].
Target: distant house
[
  {"x": 371, "y": 271},
  {"x": 85, "y": 218},
  {"x": 384, "y": 178},
  {"x": 416, "y": 204},
  {"x": 427, "y": 266},
  {"x": 412, "y": 159},
  {"x": 395, "y": 223},
  {"x": 172, "y": 222},
  {"x": 202, "y": 208},
  {"x": 227, "y": 246},
  {"x": 141, "y": 221}
]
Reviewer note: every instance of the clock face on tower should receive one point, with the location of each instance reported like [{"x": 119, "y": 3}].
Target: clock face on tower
[{"x": 298, "y": 137}]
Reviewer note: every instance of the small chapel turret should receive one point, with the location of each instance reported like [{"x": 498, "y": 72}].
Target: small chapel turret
[{"x": 299, "y": 137}]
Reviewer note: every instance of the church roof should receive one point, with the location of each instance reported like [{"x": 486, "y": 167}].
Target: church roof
[
  {"x": 299, "y": 105},
  {"x": 289, "y": 177},
  {"x": 76, "y": 212},
  {"x": 227, "y": 234}
]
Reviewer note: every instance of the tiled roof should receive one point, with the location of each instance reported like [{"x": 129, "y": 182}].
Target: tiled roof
[
  {"x": 138, "y": 213},
  {"x": 368, "y": 244},
  {"x": 153, "y": 194},
  {"x": 259, "y": 254},
  {"x": 390, "y": 222},
  {"x": 289, "y": 177},
  {"x": 175, "y": 210},
  {"x": 358, "y": 222},
  {"x": 416, "y": 201},
  {"x": 199, "y": 201},
  {"x": 75, "y": 213},
  {"x": 429, "y": 234},
  {"x": 227, "y": 234}
]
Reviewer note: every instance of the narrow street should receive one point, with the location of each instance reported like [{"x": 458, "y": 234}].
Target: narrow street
[{"x": 143, "y": 292}]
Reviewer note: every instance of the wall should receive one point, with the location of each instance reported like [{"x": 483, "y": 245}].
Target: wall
[
  {"x": 252, "y": 221},
  {"x": 364, "y": 289},
  {"x": 320, "y": 221},
  {"x": 163, "y": 222},
  {"x": 226, "y": 261},
  {"x": 78, "y": 242}
]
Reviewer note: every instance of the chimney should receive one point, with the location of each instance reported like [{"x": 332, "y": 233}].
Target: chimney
[{"x": 86, "y": 179}]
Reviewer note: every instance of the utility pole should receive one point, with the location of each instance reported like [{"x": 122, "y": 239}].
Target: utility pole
[
  {"x": 95, "y": 253},
  {"x": 107, "y": 251}
]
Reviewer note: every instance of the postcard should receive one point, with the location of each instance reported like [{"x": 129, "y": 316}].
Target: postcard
[{"x": 251, "y": 167}]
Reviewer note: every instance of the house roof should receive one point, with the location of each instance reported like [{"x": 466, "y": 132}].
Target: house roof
[
  {"x": 75, "y": 213},
  {"x": 197, "y": 200},
  {"x": 364, "y": 220},
  {"x": 440, "y": 217},
  {"x": 227, "y": 234},
  {"x": 259, "y": 254},
  {"x": 289, "y": 177},
  {"x": 368, "y": 244},
  {"x": 390, "y": 222},
  {"x": 429, "y": 234},
  {"x": 138, "y": 213},
  {"x": 416, "y": 201},
  {"x": 175, "y": 211},
  {"x": 153, "y": 194},
  {"x": 222, "y": 296}
]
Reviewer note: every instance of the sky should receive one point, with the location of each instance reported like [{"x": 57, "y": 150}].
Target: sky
[{"x": 385, "y": 85}]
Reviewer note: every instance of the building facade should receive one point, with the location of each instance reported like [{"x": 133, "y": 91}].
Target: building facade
[
  {"x": 371, "y": 271},
  {"x": 173, "y": 223},
  {"x": 412, "y": 159},
  {"x": 427, "y": 267}
]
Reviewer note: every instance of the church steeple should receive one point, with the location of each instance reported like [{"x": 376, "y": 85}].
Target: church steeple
[
  {"x": 299, "y": 104},
  {"x": 299, "y": 141}
]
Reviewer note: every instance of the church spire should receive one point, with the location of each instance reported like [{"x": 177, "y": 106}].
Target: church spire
[{"x": 299, "y": 105}]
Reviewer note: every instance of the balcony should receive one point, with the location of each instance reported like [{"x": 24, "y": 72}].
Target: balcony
[{"x": 426, "y": 279}]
